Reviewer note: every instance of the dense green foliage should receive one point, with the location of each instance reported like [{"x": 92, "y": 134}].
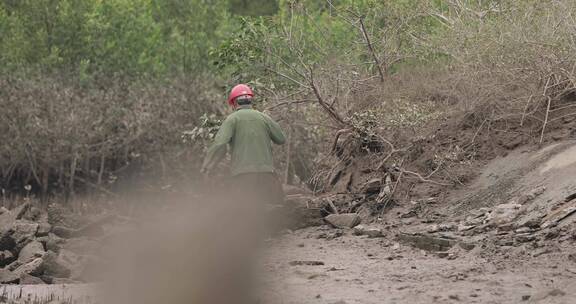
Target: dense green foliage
[{"x": 91, "y": 38}]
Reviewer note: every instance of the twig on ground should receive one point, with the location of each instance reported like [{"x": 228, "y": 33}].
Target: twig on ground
[{"x": 424, "y": 179}]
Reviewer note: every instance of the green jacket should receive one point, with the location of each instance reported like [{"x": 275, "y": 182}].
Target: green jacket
[{"x": 250, "y": 134}]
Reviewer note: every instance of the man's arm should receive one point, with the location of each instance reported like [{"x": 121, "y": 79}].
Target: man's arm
[
  {"x": 276, "y": 134},
  {"x": 217, "y": 150}
]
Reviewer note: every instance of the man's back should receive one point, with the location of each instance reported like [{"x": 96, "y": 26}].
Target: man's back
[{"x": 250, "y": 134}]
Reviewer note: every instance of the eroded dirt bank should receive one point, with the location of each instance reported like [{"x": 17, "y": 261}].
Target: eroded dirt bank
[{"x": 509, "y": 236}]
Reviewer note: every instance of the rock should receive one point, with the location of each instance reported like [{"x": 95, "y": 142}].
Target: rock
[
  {"x": 63, "y": 232},
  {"x": 59, "y": 215},
  {"x": 6, "y": 241},
  {"x": 7, "y": 218},
  {"x": 32, "y": 250},
  {"x": 526, "y": 297},
  {"x": 525, "y": 238},
  {"x": 34, "y": 214},
  {"x": 426, "y": 242},
  {"x": 556, "y": 293},
  {"x": 466, "y": 245},
  {"x": 33, "y": 267},
  {"x": 373, "y": 186},
  {"x": 372, "y": 232},
  {"x": 524, "y": 230},
  {"x": 442, "y": 255},
  {"x": 531, "y": 195},
  {"x": 23, "y": 231},
  {"x": 306, "y": 263},
  {"x": 52, "y": 242},
  {"x": 572, "y": 257},
  {"x": 364, "y": 212},
  {"x": 345, "y": 220},
  {"x": 463, "y": 228},
  {"x": 533, "y": 221},
  {"x": 14, "y": 235},
  {"x": 504, "y": 214},
  {"x": 552, "y": 233},
  {"x": 454, "y": 297},
  {"x": 556, "y": 216},
  {"x": 56, "y": 266},
  {"x": 8, "y": 277},
  {"x": 26, "y": 279},
  {"x": 433, "y": 228},
  {"x": 331, "y": 235},
  {"x": 12, "y": 266},
  {"x": 43, "y": 229},
  {"x": 6, "y": 257}
]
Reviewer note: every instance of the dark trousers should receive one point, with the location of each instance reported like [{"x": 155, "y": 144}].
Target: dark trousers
[{"x": 257, "y": 188}]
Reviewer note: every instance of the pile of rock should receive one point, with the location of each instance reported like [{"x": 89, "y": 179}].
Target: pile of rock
[{"x": 37, "y": 249}]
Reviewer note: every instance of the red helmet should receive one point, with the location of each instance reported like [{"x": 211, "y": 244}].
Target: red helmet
[{"x": 237, "y": 91}]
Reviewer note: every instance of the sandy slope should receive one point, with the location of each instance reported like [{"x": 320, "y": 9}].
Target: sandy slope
[{"x": 382, "y": 270}]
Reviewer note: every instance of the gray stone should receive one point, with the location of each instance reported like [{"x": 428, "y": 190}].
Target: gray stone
[
  {"x": 364, "y": 212},
  {"x": 52, "y": 242},
  {"x": 32, "y": 250},
  {"x": 372, "y": 232},
  {"x": 64, "y": 232},
  {"x": 8, "y": 277},
  {"x": 572, "y": 257},
  {"x": 433, "y": 228},
  {"x": 553, "y": 233},
  {"x": 6, "y": 257},
  {"x": 504, "y": 214},
  {"x": 44, "y": 229},
  {"x": 61, "y": 265},
  {"x": 426, "y": 242},
  {"x": 524, "y": 230},
  {"x": 373, "y": 186},
  {"x": 7, "y": 219},
  {"x": 23, "y": 231},
  {"x": 532, "y": 220},
  {"x": 525, "y": 238},
  {"x": 345, "y": 220},
  {"x": 26, "y": 279},
  {"x": 33, "y": 267},
  {"x": 35, "y": 214}
]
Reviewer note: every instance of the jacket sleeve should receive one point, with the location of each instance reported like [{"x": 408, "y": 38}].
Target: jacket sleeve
[
  {"x": 275, "y": 131},
  {"x": 217, "y": 150}
]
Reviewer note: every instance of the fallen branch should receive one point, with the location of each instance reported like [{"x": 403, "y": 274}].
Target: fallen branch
[
  {"x": 422, "y": 179},
  {"x": 337, "y": 137}
]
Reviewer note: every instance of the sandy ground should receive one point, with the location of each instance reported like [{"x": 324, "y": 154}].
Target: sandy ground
[{"x": 378, "y": 270}]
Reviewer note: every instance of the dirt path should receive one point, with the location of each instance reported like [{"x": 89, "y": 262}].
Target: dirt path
[{"x": 379, "y": 270}]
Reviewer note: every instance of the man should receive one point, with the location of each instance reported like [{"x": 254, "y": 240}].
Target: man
[{"x": 250, "y": 135}]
